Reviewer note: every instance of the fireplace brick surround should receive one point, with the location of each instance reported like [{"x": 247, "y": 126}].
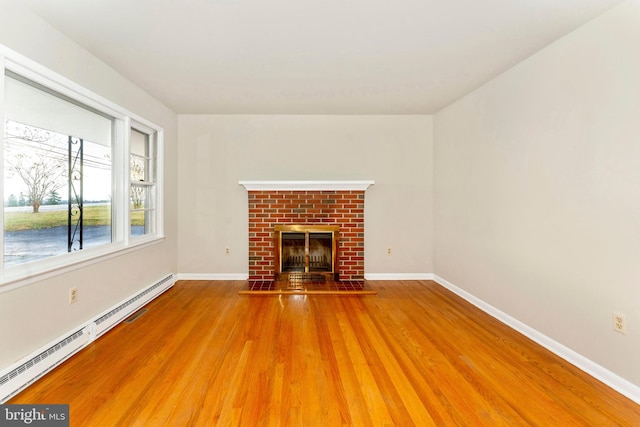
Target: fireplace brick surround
[{"x": 344, "y": 208}]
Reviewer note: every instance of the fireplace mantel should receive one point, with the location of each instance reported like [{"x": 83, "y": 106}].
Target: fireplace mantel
[{"x": 306, "y": 185}]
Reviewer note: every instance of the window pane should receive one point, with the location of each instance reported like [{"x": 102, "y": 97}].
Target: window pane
[
  {"x": 97, "y": 194},
  {"x": 139, "y": 195},
  {"x": 139, "y": 143},
  {"x": 139, "y": 156},
  {"x": 141, "y": 210},
  {"x": 51, "y": 177}
]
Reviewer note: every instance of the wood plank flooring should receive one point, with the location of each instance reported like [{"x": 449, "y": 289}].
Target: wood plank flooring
[{"x": 415, "y": 354}]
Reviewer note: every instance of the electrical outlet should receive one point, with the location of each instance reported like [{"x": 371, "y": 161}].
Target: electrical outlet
[
  {"x": 73, "y": 295},
  {"x": 227, "y": 251},
  {"x": 388, "y": 251},
  {"x": 620, "y": 323}
]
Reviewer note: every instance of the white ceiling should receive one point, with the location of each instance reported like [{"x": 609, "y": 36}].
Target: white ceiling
[{"x": 313, "y": 56}]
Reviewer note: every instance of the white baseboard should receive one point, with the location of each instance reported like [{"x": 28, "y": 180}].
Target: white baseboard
[
  {"x": 398, "y": 276},
  {"x": 29, "y": 369},
  {"x": 211, "y": 276},
  {"x": 614, "y": 381}
]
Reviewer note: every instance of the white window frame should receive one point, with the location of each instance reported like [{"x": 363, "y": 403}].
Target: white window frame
[{"x": 29, "y": 272}]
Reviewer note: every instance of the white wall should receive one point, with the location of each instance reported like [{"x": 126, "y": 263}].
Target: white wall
[
  {"x": 537, "y": 191},
  {"x": 217, "y": 151},
  {"x": 33, "y": 315}
]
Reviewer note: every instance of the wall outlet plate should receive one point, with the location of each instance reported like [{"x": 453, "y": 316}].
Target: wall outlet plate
[
  {"x": 620, "y": 323},
  {"x": 73, "y": 295}
]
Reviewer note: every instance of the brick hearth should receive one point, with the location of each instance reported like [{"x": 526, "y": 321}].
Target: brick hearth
[{"x": 344, "y": 208}]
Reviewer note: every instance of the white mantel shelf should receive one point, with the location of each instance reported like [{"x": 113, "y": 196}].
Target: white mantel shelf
[{"x": 306, "y": 185}]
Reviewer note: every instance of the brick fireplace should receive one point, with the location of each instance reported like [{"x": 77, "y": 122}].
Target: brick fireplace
[{"x": 273, "y": 204}]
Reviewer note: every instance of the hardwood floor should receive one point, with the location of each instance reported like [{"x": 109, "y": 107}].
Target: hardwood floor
[{"x": 415, "y": 354}]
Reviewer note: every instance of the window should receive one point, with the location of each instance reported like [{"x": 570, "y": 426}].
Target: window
[
  {"x": 57, "y": 174},
  {"x": 65, "y": 168},
  {"x": 142, "y": 178}
]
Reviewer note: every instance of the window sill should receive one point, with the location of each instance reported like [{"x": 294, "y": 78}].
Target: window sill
[{"x": 32, "y": 272}]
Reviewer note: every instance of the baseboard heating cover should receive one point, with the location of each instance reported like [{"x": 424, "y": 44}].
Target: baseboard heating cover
[{"x": 25, "y": 372}]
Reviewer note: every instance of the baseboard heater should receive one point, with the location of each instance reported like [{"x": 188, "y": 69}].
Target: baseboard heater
[{"x": 28, "y": 370}]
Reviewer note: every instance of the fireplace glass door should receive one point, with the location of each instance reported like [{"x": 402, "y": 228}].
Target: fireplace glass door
[
  {"x": 306, "y": 252},
  {"x": 320, "y": 246},
  {"x": 293, "y": 252}
]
